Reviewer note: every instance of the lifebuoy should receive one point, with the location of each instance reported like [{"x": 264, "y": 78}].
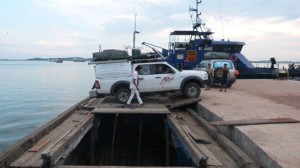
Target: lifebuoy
[{"x": 233, "y": 57}]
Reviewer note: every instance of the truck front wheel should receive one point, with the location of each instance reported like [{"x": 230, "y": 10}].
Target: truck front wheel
[
  {"x": 122, "y": 95},
  {"x": 192, "y": 90}
]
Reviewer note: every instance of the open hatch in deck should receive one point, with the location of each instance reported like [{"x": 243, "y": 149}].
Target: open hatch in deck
[
  {"x": 126, "y": 140},
  {"x": 129, "y": 137}
]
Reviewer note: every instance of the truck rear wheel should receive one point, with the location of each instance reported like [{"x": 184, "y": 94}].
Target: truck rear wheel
[
  {"x": 192, "y": 90},
  {"x": 122, "y": 95}
]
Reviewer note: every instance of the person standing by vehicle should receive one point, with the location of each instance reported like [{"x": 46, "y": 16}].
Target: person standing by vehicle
[
  {"x": 134, "y": 82},
  {"x": 224, "y": 78},
  {"x": 210, "y": 73}
]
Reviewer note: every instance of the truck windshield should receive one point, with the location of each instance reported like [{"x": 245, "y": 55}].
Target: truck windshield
[{"x": 221, "y": 64}]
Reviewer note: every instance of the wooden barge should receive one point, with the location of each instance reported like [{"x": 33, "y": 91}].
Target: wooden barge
[{"x": 99, "y": 133}]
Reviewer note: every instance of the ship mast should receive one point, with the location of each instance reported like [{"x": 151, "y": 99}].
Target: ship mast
[
  {"x": 198, "y": 25},
  {"x": 134, "y": 31},
  {"x": 197, "y": 22}
]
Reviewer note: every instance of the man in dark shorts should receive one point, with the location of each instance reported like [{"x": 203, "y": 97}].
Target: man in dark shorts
[{"x": 224, "y": 78}]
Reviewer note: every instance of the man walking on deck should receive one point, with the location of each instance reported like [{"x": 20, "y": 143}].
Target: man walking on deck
[{"x": 134, "y": 82}]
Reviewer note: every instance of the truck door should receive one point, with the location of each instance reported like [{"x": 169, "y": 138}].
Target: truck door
[
  {"x": 146, "y": 85},
  {"x": 165, "y": 78}
]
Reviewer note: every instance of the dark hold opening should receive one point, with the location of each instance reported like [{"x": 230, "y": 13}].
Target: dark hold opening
[{"x": 128, "y": 140}]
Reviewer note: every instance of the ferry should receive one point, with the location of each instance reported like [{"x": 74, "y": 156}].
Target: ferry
[{"x": 187, "y": 49}]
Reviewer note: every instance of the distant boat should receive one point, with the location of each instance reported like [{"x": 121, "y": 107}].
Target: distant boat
[
  {"x": 52, "y": 60},
  {"x": 59, "y": 60},
  {"x": 78, "y": 60}
]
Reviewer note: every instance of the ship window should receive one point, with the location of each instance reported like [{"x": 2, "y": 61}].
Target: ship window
[{"x": 228, "y": 48}]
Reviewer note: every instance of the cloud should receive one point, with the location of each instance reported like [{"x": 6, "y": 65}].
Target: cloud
[
  {"x": 67, "y": 27},
  {"x": 255, "y": 30},
  {"x": 265, "y": 38},
  {"x": 180, "y": 17},
  {"x": 60, "y": 43}
]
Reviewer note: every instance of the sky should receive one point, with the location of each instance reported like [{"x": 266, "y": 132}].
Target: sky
[{"x": 76, "y": 28}]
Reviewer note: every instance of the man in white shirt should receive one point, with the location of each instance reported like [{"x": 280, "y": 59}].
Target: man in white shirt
[{"x": 134, "y": 82}]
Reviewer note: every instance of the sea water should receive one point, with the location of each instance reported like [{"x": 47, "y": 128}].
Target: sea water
[{"x": 34, "y": 92}]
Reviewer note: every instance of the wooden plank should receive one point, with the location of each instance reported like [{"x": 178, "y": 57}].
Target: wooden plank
[
  {"x": 213, "y": 147},
  {"x": 241, "y": 158},
  {"x": 67, "y": 142},
  {"x": 94, "y": 102},
  {"x": 114, "y": 139},
  {"x": 33, "y": 159},
  {"x": 184, "y": 102},
  {"x": 254, "y": 122},
  {"x": 27, "y": 142},
  {"x": 195, "y": 136},
  {"x": 198, "y": 158},
  {"x": 30, "y": 158},
  {"x": 68, "y": 124},
  {"x": 211, "y": 159},
  {"x": 38, "y": 146},
  {"x": 140, "y": 140},
  {"x": 146, "y": 109},
  {"x": 94, "y": 137},
  {"x": 175, "y": 95}
]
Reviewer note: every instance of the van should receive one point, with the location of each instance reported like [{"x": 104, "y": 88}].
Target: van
[{"x": 217, "y": 65}]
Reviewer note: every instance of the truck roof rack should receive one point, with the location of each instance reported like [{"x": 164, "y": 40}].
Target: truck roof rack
[
  {"x": 149, "y": 57},
  {"x": 133, "y": 60}
]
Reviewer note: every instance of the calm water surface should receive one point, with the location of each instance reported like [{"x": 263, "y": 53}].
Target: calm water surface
[{"x": 34, "y": 92}]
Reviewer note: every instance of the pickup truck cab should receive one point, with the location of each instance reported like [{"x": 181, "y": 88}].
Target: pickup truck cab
[
  {"x": 113, "y": 78},
  {"x": 217, "y": 65}
]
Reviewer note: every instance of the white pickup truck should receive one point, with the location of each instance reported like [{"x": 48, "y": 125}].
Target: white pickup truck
[{"x": 113, "y": 78}]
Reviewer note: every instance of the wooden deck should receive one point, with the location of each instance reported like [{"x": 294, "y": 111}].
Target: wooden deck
[
  {"x": 202, "y": 147},
  {"x": 57, "y": 143},
  {"x": 60, "y": 141}
]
